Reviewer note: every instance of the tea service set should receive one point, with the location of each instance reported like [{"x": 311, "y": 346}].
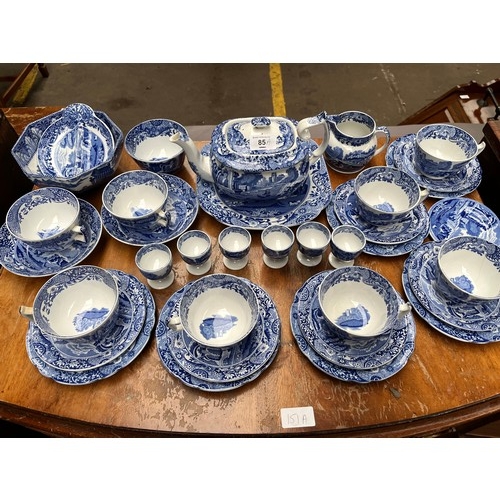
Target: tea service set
[{"x": 221, "y": 331}]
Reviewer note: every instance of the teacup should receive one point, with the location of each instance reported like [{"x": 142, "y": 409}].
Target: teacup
[
  {"x": 346, "y": 244},
  {"x": 386, "y": 195},
  {"x": 277, "y": 241},
  {"x": 358, "y": 302},
  {"x": 77, "y": 304},
  {"x": 234, "y": 244},
  {"x": 149, "y": 144},
  {"x": 353, "y": 141},
  {"x": 137, "y": 200},
  {"x": 155, "y": 263},
  {"x": 312, "y": 240},
  {"x": 195, "y": 249},
  {"x": 217, "y": 310},
  {"x": 46, "y": 219},
  {"x": 444, "y": 149},
  {"x": 468, "y": 270}
]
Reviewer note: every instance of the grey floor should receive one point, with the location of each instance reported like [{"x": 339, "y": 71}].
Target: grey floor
[{"x": 206, "y": 94}]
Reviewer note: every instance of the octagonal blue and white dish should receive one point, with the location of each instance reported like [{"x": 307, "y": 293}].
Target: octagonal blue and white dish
[
  {"x": 182, "y": 206},
  {"x": 74, "y": 144},
  {"x": 25, "y": 260},
  {"x": 71, "y": 356},
  {"x": 109, "y": 369},
  {"x": 25, "y": 152},
  {"x": 451, "y": 217},
  {"x": 479, "y": 317},
  {"x": 348, "y": 353},
  {"x": 400, "y": 154},
  {"x": 345, "y": 205}
]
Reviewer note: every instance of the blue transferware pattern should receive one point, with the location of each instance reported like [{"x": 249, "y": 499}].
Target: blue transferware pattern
[
  {"x": 25, "y": 152},
  {"x": 76, "y": 143},
  {"x": 350, "y": 353},
  {"x": 452, "y": 217},
  {"x": 182, "y": 205},
  {"x": 345, "y": 205},
  {"x": 195, "y": 260},
  {"x": 72, "y": 356},
  {"x": 382, "y": 250},
  {"x": 24, "y": 260},
  {"x": 221, "y": 370},
  {"x": 222, "y": 365},
  {"x": 361, "y": 376},
  {"x": 305, "y": 204},
  {"x": 464, "y": 335},
  {"x": 400, "y": 154},
  {"x": 478, "y": 317},
  {"x": 107, "y": 370}
]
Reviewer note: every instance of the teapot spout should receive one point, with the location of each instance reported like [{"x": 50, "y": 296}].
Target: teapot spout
[{"x": 199, "y": 163}]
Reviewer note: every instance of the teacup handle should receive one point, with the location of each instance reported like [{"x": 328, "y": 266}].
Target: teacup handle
[
  {"x": 480, "y": 148},
  {"x": 404, "y": 309},
  {"x": 163, "y": 218},
  {"x": 175, "y": 323},
  {"x": 77, "y": 233},
  {"x": 26, "y": 311},
  {"x": 387, "y": 136},
  {"x": 424, "y": 193}
]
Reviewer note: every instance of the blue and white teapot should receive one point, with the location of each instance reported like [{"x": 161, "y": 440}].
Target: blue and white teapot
[{"x": 257, "y": 158}]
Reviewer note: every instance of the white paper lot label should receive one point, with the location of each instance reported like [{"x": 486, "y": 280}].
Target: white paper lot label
[
  {"x": 297, "y": 417},
  {"x": 262, "y": 142}
]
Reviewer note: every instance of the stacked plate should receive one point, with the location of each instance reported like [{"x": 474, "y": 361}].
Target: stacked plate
[
  {"x": 400, "y": 154},
  {"x": 78, "y": 363},
  {"x": 348, "y": 359},
  {"x": 386, "y": 240},
  {"x": 478, "y": 322},
  {"x": 23, "y": 259},
  {"x": 217, "y": 369}
]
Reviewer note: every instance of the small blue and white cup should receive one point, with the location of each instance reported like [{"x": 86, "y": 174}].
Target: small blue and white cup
[
  {"x": 277, "y": 242},
  {"x": 234, "y": 244},
  {"x": 312, "y": 239},
  {"x": 137, "y": 199},
  {"x": 346, "y": 244},
  {"x": 155, "y": 263},
  {"x": 46, "y": 219},
  {"x": 195, "y": 249}
]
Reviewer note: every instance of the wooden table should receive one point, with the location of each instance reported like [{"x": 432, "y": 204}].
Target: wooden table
[{"x": 447, "y": 386}]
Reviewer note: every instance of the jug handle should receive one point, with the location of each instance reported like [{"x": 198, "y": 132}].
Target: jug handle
[
  {"x": 387, "y": 135},
  {"x": 304, "y": 133}
]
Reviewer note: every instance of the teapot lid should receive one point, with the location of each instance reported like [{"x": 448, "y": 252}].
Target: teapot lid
[{"x": 258, "y": 143}]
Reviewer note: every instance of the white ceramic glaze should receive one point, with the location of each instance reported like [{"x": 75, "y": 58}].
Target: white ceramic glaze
[
  {"x": 234, "y": 244},
  {"x": 312, "y": 239},
  {"x": 195, "y": 248},
  {"x": 277, "y": 241},
  {"x": 346, "y": 243},
  {"x": 155, "y": 263}
]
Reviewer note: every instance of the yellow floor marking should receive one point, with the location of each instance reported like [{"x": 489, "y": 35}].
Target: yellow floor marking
[{"x": 278, "y": 96}]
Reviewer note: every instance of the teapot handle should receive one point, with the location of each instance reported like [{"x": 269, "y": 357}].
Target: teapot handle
[{"x": 304, "y": 133}]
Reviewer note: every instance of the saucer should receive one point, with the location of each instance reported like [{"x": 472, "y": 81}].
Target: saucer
[
  {"x": 24, "y": 260},
  {"x": 350, "y": 353},
  {"x": 441, "y": 326},
  {"x": 69, "y": 356},
  {"x": 362, "y": 376},
  {"x": 108, "y": 369},
  {"x": 218, "y": 367},
  {"x": 422, "y": 265},
  {"x": 400, "y": 155},
  {"x": 301, "y": 208},
  {"x": 378, "y": 249},
  {"x": 345, "y": 206},
  {"x": 224, "y": 364},
  {"x": 463, "y": 217},
  {"x": 182, "y": 205}
]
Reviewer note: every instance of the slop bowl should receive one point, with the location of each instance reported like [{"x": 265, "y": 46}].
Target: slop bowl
[{"x": 218, "y": 310}]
